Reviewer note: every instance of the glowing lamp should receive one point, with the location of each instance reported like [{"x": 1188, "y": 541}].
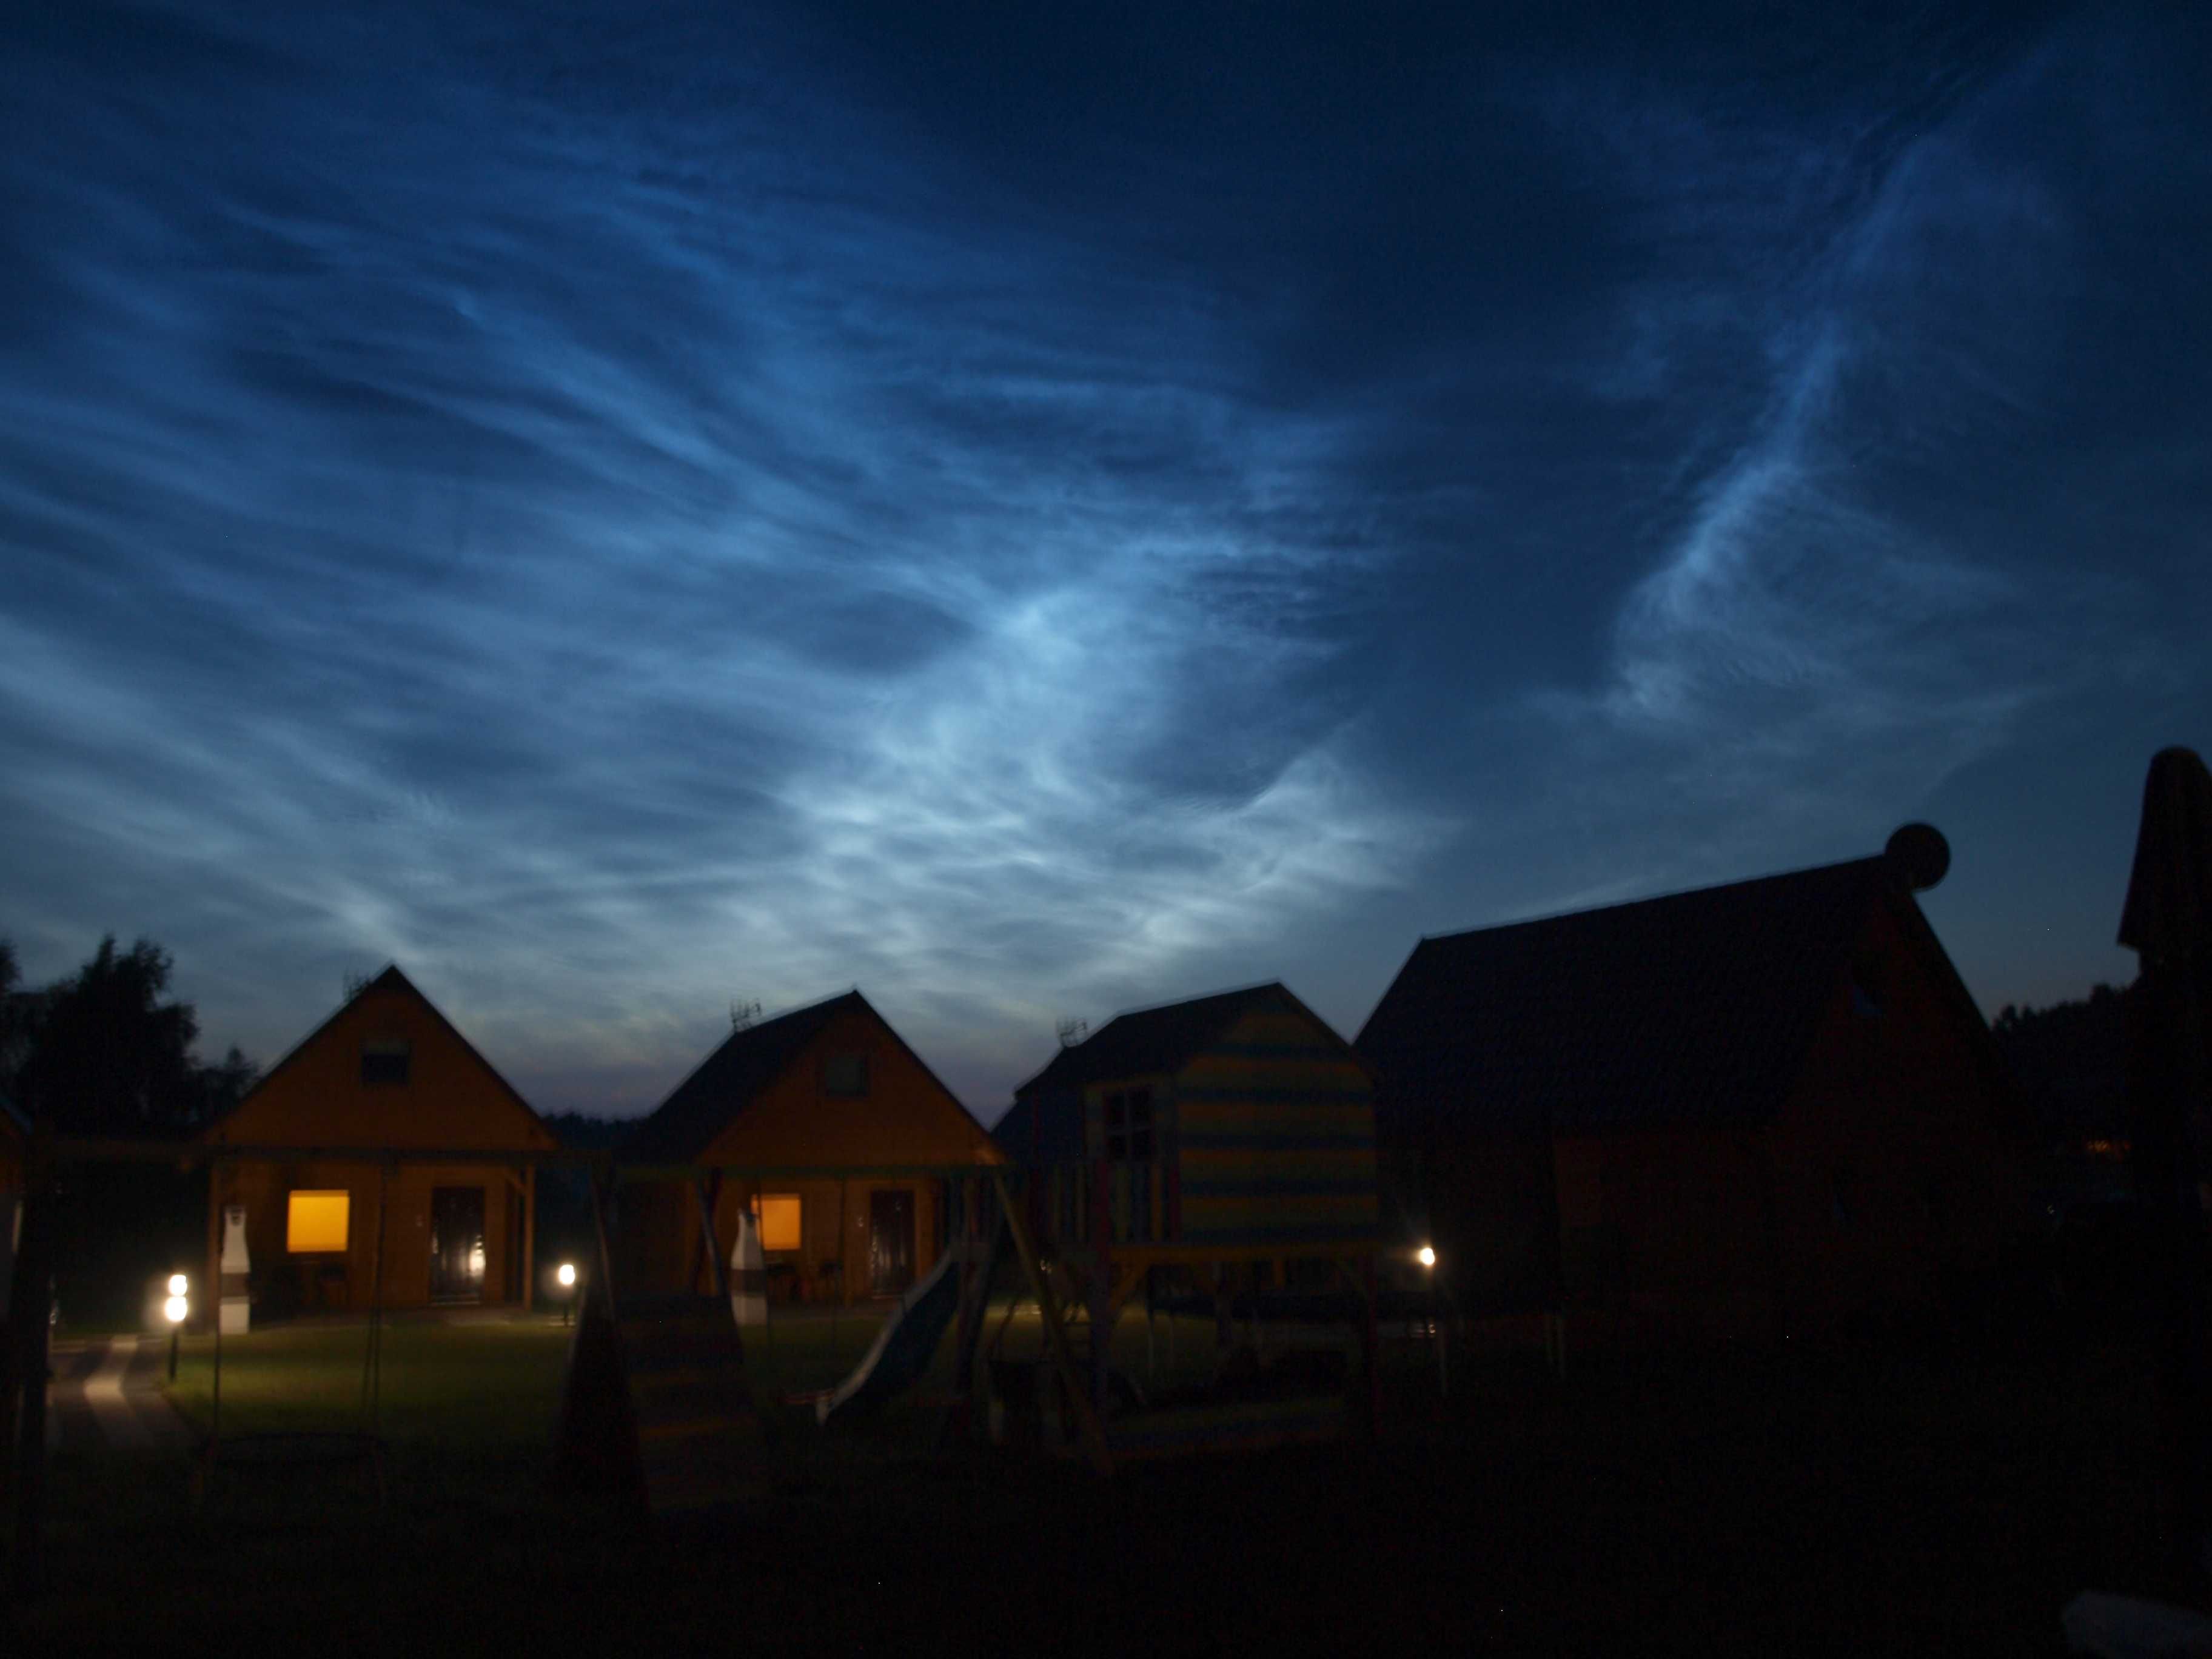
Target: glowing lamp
[
  {"x": 176, "y": 1284},
  {"x": 567, "y": 1275},
  {"x": 1425, "y": 1255},
  {"x": 176, "y": 1307}
]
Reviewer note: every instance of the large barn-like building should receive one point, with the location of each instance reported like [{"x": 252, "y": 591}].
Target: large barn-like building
[
  {"x": 830, "y": 1087},
  {"x": 389, "y": 1072},
  {"x": 1762, "y": 1108}
]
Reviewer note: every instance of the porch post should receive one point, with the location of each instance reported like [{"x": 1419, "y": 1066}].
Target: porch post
[{"x": 529, "y": 1238}]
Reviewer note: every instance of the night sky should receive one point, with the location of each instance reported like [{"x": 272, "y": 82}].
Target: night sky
[{"x": 1041, "y": 510}]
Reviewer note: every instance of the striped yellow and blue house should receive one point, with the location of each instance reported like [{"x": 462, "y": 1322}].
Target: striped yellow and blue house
[{"x": 1235, "y": 1126}]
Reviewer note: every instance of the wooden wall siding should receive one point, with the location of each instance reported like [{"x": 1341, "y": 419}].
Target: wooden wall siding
[
  {"x": 1903, "y": 1164},
  {"x": 1274, "y": 1136},
  {"x": 1891, "y": 1170},
  {"x": 265, "y": 1190}
]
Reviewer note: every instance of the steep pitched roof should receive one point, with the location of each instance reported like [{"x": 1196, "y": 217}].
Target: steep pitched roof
[
  {"x": 1149, "y": 1040},
  {"x": 681, "y": 1127},
  {"x": 1696, "y": 1006},
  {"x": 390, "y": 980}
]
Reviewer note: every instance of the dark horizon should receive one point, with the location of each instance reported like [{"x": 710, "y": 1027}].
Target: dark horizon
[{"x": 627, "y": 513}]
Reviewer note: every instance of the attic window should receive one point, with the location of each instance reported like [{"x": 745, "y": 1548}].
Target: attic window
[
  {"x": 845, "y": 1074},
  {"x": 386, "y": 1060}
]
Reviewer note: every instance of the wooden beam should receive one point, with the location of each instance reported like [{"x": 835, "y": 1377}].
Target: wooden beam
[
  {"x": 529, "y": 1242},
  {"x": 1094, "y": 1432}
]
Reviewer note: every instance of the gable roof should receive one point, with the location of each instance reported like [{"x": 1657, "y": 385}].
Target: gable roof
[
  {"x": 1145, "y": 1041},
  {"x": 1695, "y": 1007},
  {"x": 390, "y": 980},
  {"x": 681, "y": 1128},
  {"x": 697, "y": 1109}
]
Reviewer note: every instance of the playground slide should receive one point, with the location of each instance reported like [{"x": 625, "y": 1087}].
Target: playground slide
[{"x": 904, "y": 1346}]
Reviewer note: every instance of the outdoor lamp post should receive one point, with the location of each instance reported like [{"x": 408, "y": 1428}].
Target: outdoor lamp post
[
  {"x": 176, "y": 1307},
  {"x": 567, "y": 1275},
  {"x": 1426, "y": 1256}
]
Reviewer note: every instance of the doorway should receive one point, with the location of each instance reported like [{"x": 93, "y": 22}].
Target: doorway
[
  {"x": 456, "y": 1243},
  {"x": 890, "y": 1241}
]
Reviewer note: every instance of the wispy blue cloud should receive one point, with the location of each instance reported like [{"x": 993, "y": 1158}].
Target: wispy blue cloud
[{"x": 627, "y": 511}]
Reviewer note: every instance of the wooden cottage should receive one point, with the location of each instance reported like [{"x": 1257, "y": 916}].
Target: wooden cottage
[
  {"x": 1756, "y": 1109},
  {"x": 386, "y": 1071},
  {"x": 1236, "y": 1127},
  {"x": 829, "y": 1087}
]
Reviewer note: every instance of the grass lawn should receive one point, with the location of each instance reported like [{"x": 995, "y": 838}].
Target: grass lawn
[{"x": 1889, "y": 1503}]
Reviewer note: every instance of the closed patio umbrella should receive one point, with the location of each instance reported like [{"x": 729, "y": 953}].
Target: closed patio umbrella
[{"x": 2168, "y": 922}]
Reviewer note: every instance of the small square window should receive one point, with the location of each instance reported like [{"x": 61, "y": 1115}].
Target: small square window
[
  {"x": 386, "y": 1060},
  {"x": 845, "y": 1074}
]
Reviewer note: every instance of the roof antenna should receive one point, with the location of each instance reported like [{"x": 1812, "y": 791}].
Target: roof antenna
[
  {"x": 1073, "y": 1031},
  {"x": 354, "y": 984},
  {"x": 743, "y": 1014}
]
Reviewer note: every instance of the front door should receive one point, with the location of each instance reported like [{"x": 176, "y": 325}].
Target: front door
[
  {"x": 456, "y": 1243},
  {"x": 891, "y": 1243}
]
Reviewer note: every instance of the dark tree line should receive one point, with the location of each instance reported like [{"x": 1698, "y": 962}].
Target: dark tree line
[
  {"x": 104, "y": 1051},
  {"x": 2070, "y": 1061}
]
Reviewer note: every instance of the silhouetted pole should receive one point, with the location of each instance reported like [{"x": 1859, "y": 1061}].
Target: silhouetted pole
[
  {"x": 28, "y": 1312},
  {"x": 2168, "y": 922}
]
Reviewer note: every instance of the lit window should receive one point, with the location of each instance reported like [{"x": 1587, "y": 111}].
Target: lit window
[
  {"x": 778, "y": 1216},
  {"x": 385, "y": 1059},
  {"x": 845, "y": 1074},
  {"x": 317, "y": 1225}
]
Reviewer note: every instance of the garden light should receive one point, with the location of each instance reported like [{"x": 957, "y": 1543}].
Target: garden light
[
  {"x": 567, "y": 1275},
  {"x": 175, "y": 1308},
  {"x": 1425, "y": 1255}
]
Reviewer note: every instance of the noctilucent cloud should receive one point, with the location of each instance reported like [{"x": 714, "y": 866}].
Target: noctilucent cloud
[{"x": 625, "y": 509}]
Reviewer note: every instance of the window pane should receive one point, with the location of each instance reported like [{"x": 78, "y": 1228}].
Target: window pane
[
  {"x": 1140, "y": 1107},
  {"x": 385, "y": 1059},
  {"x": 317, "y": 1223},
  {"x": 845, "y": 1074},
  {"x": 1113, "y": 1113},
  {"x": 778, "y": 1214},
  {"x": 1141, "y": 1143}
]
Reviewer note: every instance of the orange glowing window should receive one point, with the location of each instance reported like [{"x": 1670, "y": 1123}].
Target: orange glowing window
[
  {"x": 317, "y": 1223},
  {"x": 778, "y": 1216}
]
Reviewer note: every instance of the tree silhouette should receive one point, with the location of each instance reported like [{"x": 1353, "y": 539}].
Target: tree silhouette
[{"x": 102, "y": 1053}]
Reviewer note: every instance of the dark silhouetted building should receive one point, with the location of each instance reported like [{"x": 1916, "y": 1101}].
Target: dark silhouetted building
[{"x": 1762, "y": 1108}]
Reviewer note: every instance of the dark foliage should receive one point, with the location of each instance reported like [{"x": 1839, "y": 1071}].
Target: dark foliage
[
  {"x": 2070, "y": 1060},
  {"x": 102, "y": 1053}
]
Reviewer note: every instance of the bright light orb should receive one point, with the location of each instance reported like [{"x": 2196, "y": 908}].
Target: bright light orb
[
  {"x": 567, "y": 1275},
  {"x": 176, "y": 1307},
  {"x": 1426, "y": 1256},
  {"x": 176, "y": 1284}
]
